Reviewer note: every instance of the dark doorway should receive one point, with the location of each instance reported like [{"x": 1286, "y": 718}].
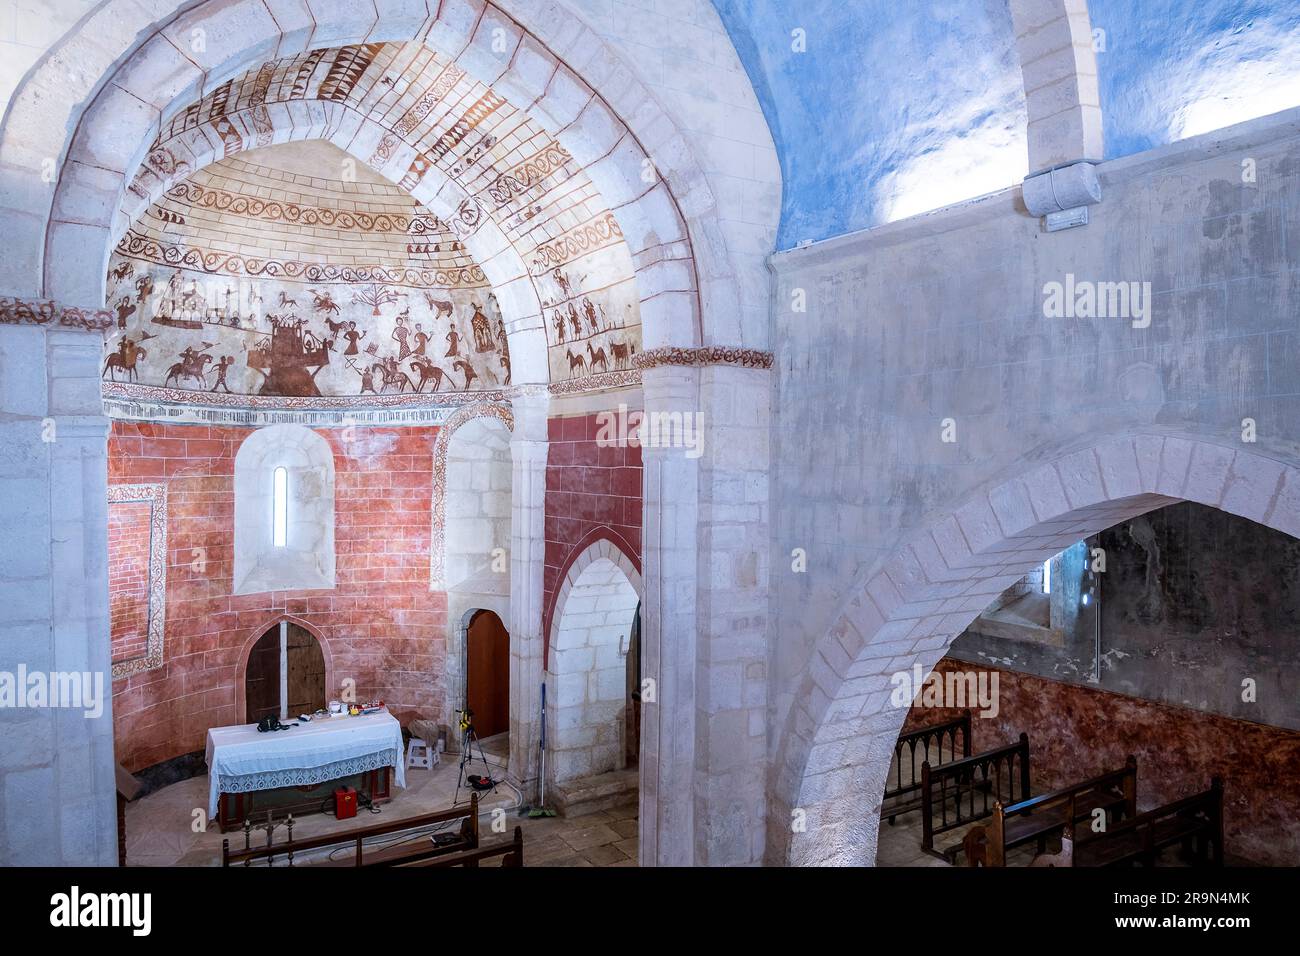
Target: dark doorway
[
  {"x": 632, "y": 749},
  {"x": 487, "y": 677},
  {"x": 305, "y": 691}
]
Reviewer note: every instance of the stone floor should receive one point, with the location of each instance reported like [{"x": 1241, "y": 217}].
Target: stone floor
[{"x": 159, "y": 827}]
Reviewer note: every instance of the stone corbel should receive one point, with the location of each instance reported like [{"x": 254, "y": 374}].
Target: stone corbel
[{"x": 1062, "y": 196}]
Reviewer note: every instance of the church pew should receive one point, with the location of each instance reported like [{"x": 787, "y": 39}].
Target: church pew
[
  {"x": 1195, "y": 823},
  {"x": 419, "y": 847},
  {"x": 903, "y": 789},
  {"x": 511, "y": 853},
  {"x": 957, "y": 794},
  {"x": 1034, "y": 819}
]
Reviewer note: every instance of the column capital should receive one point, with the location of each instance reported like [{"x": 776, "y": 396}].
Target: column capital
[{"x": 530, "y": 405}]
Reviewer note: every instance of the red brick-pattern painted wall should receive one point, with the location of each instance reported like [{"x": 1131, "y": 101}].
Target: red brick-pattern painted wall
[
  {"x": 128, "y": 578},
  {"x": 590, "y": 491},
  {"x": 1078, "y": 732},
  {"x": 382, "y": 624}
]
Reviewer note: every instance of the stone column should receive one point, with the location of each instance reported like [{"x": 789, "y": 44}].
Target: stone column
[
  {"x": 732, "y": 654},
  {"x": 670, "y": 559},
  {"x": 57, "y": 765},
  {"x": 528, "y": 451},
  {"x": 704, "y": 620}
]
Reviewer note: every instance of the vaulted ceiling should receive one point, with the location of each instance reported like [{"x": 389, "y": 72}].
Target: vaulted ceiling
[{"x": 881, "y": 110}]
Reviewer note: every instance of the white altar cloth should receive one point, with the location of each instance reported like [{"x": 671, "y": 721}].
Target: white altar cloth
[{"x": 241, "y": 760}]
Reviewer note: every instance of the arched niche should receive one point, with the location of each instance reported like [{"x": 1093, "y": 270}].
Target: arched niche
[{"x": 305, "y": 561}]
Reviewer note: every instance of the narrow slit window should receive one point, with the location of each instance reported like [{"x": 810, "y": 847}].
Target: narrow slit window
[
  {"x": 280, "y": 517},
  {"x": 1047, "y": 576}
]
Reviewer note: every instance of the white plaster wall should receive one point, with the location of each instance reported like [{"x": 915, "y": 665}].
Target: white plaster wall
[
  {"x": 942, "y": 317},
  {"x": 307, "y": 559},
  {"x": 587, "y": 696},
  {"x": 478, "y": 506}
]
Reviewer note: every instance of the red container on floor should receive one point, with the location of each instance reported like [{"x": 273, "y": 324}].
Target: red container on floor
[{"x": 345, "y": 803}]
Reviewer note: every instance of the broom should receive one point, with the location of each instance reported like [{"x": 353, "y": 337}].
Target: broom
[{"x": 541, "y": 810}]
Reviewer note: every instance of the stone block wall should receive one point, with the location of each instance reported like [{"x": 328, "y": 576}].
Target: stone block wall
[{"x": 588, "y": 672}]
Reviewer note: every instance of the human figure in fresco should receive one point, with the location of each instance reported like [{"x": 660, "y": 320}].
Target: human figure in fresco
[
  {"x": 590, "y": 311},
  {"x": 559, "y": 326},
  {"x": 353, "y": 337},
  {"x": 468, "y": 371},
  {"x": 400, "y": 334},
  {"x": 482, "y": 330},
  {"x": 453, "y": 343},
  {"x": 222, "y": 366},
  {"x": 124, "y": 310},
  {"x": 575, "y": 321},
  {"x": 421, "y": 340}
]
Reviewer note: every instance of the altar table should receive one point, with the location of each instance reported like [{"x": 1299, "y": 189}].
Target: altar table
[{"x": 241, "y": 760}]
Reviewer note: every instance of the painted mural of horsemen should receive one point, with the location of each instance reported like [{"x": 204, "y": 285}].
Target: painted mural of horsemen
[
  {"x": 125, "y": 360},
  {"x": 193, "y": 365}
]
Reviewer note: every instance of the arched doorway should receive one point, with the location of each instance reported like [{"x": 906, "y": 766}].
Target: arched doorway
[
  {"x": 285, "y": 675},
  {"x": 487, "y": 674},
  {"x": 593, "y": 671}
]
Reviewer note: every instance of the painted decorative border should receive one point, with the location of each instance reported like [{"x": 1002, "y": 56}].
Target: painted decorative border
[
  {"x": 440, "y": 447},
  {"x": 700, "y": 357},
  {"x": 15, "y": 311},
  {"x": 593, "y": 383},
  {"x": 153, "y": 395},
  {"x": 134, "y": 245},
  {"x": 156, "y": 495}
]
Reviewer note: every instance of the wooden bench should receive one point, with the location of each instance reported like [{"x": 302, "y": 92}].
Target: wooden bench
[
  {"x": 420, "y": 845},
  {"x": 1036, "y": 818},
  {"x": 903, "y": 791},
  {"x": 1195, "y": 823},
  {"x": 511, "y": 853},
  {"x": 959, "y": 793}
]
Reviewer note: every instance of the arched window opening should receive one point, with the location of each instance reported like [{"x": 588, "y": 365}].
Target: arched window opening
[{"x": 280, "y": 522}]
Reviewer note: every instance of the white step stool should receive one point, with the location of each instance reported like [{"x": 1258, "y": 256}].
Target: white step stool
[{"x": 420, "y": 754}]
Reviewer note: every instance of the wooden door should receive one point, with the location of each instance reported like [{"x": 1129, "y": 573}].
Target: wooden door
[
  {"x": 488, "y": 674},
  {"x": 306, "y": 672},
  {"x": 262, "y": 683}
]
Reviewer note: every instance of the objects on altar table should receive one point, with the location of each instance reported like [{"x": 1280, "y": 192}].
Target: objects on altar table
[{"x": 336, "y": 708}]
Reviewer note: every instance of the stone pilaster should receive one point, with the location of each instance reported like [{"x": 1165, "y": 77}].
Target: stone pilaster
[
  {"x": 704, "y": 621},
  {"x": 56, "y": 771},
  {"x": 528, "y": 451}
]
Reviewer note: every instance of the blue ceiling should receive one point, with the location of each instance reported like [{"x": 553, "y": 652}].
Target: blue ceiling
[{"x": 893, "y": 108}]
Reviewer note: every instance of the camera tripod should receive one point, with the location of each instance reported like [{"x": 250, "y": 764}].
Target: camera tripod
[{"x": 468, "y": 740}]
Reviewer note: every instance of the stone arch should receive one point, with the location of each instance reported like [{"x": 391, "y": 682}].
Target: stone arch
[
  {"x": 598, "y": 542},
  {"x": 559, "y": 70},
  {"x": 307, "y": 559},
  {"x": 241, "y": 667},
  {"x": 441, "y": 448},
  {"x": 837, "y": 743},
  {"x": 1059, "y": 67},
  {"x": 586, "y": 672}
]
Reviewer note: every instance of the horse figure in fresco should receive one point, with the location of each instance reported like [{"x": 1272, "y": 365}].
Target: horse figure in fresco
[
  {"x": 192, "y": 365},
  {"x": 576, "y": 363},
  {"x": 324, "y": 302},
  {"x": 391, "y": 374},
  {"x": 428, "y": 371},
  {"x": 125, "y": 359},
  {"x": 597, "y": 358}
]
